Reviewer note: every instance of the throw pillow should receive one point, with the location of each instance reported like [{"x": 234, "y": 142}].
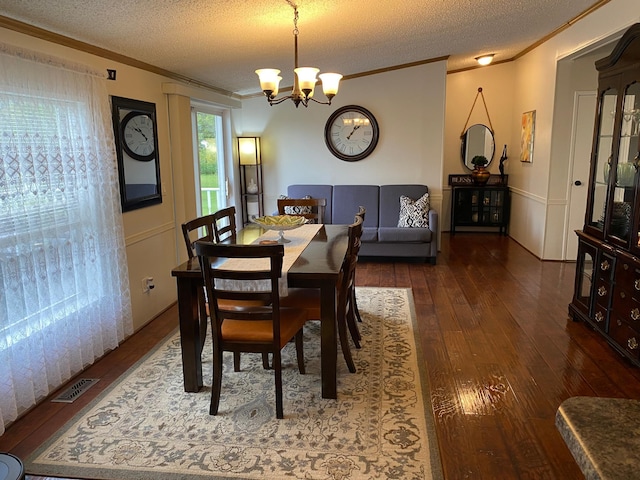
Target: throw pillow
[
  {"x": 414, "y": 213},
  {"x": 296, "y": 210}
]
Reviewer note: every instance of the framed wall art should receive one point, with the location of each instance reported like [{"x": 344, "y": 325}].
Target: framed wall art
[
  {"x": 134, "y": 126},
  {"x": 527, "y": 136}
]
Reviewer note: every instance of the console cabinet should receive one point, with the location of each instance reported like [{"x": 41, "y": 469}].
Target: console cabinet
[
  {"x": 480, "y": 206},
  {"x": 607, "y": 284}
]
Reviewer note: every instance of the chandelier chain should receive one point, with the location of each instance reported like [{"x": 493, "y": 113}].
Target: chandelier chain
[{"x": 295, "y": 16}]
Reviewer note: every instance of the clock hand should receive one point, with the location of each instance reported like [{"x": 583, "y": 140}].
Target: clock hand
[
  {"x": 353, "y": 131},
  {"x": 137, "y": 129}
]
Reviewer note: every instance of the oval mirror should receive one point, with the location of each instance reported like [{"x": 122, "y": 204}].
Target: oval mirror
[{"x": 477, "y": 140}]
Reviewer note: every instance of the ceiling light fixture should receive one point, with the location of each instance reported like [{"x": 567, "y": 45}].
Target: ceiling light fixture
[
  {"x": 304, "y": 78},
  {"x": 485, "y": 59}
]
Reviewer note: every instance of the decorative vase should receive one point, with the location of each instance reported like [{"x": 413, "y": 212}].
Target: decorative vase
[
  {"x": 480, "y": 175},
  {"x": 252, "y": 187}
]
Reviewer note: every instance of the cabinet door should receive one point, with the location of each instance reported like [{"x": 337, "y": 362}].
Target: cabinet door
[
  {"x": 621, "y": 216},
  {"x": 601, "y": 158},
  {"x": 585, "y": 277}
]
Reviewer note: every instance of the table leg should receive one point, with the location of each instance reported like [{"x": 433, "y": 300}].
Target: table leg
[
  {"x": 328, "y": 341},
  {"x": 190, "y": 333}
]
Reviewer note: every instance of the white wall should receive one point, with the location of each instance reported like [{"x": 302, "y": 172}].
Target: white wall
[
  {"x": 409, "y": 107},
  {"x": 537, "y": 214}
]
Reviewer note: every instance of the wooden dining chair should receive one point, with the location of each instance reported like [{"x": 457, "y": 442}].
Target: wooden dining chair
[
  {"x": 361, "y": 213},
  {"x": 224, "y": 225},
  {"x": 266, "y": 328},
  {"x": 310, "y": 208},
  {"x": 200, "y": 228},
  {"x": 218, "y": 226},
  {"x": 309, "y": 299}
]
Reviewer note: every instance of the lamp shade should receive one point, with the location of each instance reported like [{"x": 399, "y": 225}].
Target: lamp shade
[
  {"x": 269, "y": 79},
  {"x": 249, "y": 150},
  {"x": 306, "y": 77},
  {"x": 330, "y": 83}
]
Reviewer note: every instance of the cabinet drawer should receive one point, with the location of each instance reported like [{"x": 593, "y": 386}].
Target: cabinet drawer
[
  {"x": 627, "y": 307},
  {"x": 600, "y": 316},
  {"x": 603, "y": 292},
  {"x": 605, "y": 267},
  {"x": 628, "y": 276},
  {"x": 626, "y": 337}
]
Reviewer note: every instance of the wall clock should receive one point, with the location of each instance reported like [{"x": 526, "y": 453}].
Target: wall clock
[
  {"x": 351, "y": 133},
  {"x": 136, "y": 136}
]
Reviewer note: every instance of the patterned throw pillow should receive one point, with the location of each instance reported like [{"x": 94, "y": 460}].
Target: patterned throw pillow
[
  {"x": 293, "y": 210},
  {"x": 414, "y": 213}
]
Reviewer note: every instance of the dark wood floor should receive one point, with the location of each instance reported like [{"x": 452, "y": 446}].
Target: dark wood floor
[{"x": 500, "y": 350}]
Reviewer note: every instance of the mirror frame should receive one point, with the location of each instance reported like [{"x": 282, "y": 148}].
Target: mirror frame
[
  {"x": 466, "y": 159},
  {"x": 148, "y": 193}
]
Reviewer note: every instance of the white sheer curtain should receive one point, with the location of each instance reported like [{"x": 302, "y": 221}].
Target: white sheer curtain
[{"x": 64, "y": 292}]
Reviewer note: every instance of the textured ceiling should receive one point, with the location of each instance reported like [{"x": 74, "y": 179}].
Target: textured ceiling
[{"x": 221, "y": 42}]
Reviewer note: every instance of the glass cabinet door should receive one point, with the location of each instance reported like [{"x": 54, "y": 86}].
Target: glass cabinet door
[
  {"x": 584, "y": 277},
  {"x": 622, "y": 210},
  {"x": 602, "y": 158}
]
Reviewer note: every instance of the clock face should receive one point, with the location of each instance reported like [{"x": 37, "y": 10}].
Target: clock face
[
  {"x": 351, "y": 133},
  {"x": 137, "y": 136}
]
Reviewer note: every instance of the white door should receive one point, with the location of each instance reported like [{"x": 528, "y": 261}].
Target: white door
[{"x": 583, "y": 117}]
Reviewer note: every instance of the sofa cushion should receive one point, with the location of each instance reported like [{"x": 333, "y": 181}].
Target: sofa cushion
[
  {"x": 369, "y": 234},
  {"x": 390, "y": 201},
  {"x": 347, "y": 199},
  {"x": 315, "y": 191},
  {"x": 401, "y": 234},
  {"x": 414, "y": 213}
]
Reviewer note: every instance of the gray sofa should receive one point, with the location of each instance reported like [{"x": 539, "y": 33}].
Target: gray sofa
[{"x": 381, "y": 235}]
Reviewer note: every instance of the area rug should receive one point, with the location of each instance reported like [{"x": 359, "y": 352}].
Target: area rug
[{"x": 381, "y": 426}]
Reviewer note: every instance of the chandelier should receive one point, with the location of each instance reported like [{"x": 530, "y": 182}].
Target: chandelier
[{"x": 304, "y": 78}]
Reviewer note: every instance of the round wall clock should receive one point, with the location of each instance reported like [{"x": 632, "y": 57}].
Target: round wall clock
[
  {"x": 351, "y": 133},
  {"x": 137, "y": 136}
]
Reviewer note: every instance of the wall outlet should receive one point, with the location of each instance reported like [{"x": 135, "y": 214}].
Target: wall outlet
[{"x": 147, "y": 284}]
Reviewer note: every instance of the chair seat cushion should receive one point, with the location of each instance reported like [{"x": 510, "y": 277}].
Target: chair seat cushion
[{"x": 291, "y": 320}]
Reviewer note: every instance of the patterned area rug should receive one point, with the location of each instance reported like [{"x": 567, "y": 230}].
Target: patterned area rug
[{"x": 380, "y": 427}]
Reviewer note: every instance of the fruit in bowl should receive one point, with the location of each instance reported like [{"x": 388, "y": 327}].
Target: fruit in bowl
[{"x": 280, "y": 223}]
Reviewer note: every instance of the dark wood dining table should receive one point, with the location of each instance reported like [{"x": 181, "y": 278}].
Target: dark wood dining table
[{"x": 317, "y": 266}]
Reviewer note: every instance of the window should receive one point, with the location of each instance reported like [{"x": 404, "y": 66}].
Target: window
[{"x": 63, "y": 272}]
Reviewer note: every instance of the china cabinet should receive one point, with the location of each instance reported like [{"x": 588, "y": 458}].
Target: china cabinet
[
  {"x": 480, "y": 206},
  {"x": 607, "y": 283}
]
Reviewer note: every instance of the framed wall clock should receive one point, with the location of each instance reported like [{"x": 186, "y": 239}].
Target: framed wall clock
[
  {"x": 136, "y": 136},
  {"x": 351, "y": 133}
]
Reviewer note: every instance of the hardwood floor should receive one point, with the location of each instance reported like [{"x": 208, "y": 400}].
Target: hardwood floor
[{"x": 498, "y": 345}]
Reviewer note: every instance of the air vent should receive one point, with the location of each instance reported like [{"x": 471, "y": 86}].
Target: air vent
[{"x": 75, "y": 390}]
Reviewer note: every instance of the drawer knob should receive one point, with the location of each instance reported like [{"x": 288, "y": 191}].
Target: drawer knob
[
  {"x": 619, "y": 322},
  {"x": 635, "y": 314},
  {"x": 636, "y": 284},
  {"x": 625, "y": 266},
  {"x": 623, "y": 295},
  {"x": 632, "y": 343},
  {"x": 604, "y": 265},
  {"x": 599, "y": 316},
  {"x": 602, "y": 291}
]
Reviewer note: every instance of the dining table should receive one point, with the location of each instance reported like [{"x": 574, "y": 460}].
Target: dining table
[{"x": 317, "y": 266}]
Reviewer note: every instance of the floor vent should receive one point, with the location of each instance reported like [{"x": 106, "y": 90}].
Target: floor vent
[{"x": 75, "y": 390}]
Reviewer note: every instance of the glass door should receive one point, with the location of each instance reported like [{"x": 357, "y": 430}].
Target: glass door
[
  {"x": 601, "y": 162},
  {"x": 622, "y": 210},
  {"x": 209, "y": 147}
]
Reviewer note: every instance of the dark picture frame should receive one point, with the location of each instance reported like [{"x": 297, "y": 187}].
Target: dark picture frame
[{"x": 139, "y": 173}]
